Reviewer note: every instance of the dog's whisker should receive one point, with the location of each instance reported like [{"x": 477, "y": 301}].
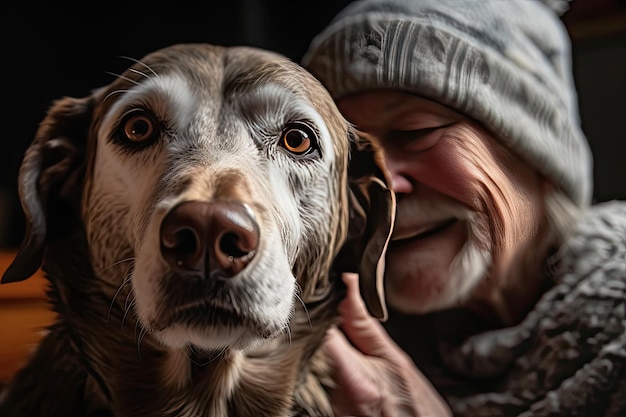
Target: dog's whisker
[
  {"x": 306, "y": 310},
  {"x": 141, "y": 63},
  {"x": 127, "y": 303},
  {"x": 143, "y": 74},
  {"x": 288, "y": 331},
  {"x": 126, "y": 280},
  {"x": 139, "y": 72},
  {"x": 113, "y": 93},
  {"x": 123, "y": 77},
  {"x": 142, "y": 333},
  {"x": 129, "y": 259},
  {"x": 137, "y": 324},
  {"x": 119, "y": 289},
  {"x": 127, "y": 307}
]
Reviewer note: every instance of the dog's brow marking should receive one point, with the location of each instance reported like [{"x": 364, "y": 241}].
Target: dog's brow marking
[
  {"x": 169, "y": 96},
  {"x": 273, "y": 104}
]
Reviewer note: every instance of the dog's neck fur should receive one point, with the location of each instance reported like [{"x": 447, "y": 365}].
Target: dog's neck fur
[{"x": 132, "y": 375}]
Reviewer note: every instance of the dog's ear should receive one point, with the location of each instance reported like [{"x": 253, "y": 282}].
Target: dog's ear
[
  {"x": 372, "y": 208},
  {"x": 49, "y": 181}
]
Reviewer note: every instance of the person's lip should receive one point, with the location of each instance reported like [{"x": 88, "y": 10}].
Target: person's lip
[{"x": 423, "y": 232}]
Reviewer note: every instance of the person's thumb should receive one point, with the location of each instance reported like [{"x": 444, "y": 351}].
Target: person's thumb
[{"x": 364, "y": 332}]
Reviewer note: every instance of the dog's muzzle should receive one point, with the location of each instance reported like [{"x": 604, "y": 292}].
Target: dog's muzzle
[{"x": 215, "y": 239}]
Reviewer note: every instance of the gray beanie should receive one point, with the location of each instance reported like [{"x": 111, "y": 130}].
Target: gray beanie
[{"x": 505, "y": 63}]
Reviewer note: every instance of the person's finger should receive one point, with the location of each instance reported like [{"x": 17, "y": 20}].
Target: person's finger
[
  {"x": 356, "y": 389},
  {"x": 346, "y": 359},
  {"x": 365, "y": 332}
]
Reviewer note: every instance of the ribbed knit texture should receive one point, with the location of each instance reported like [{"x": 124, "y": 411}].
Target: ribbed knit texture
[
  {"x": 506, "y": 64},
  {"x": 568, "y": 356}
]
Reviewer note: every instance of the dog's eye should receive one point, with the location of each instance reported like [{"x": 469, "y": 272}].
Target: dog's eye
[
  {"x": 299, "y": 139},
  {"x": 138, "y": 127}
]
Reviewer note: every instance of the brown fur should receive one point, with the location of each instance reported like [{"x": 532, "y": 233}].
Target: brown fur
[{"x": 92, "y": 206}]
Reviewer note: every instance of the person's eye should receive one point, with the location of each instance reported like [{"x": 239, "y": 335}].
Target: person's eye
[{"x": 417, "y": 140}]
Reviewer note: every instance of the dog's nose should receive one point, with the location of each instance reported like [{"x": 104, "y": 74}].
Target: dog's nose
[{"x": 214, "y": 238}]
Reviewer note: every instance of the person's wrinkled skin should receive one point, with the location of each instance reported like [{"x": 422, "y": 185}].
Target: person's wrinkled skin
[
  {"x": 467, "y": 212},
  {"x": 374, "y": 376},
  {"x": 467, "y": 209}
]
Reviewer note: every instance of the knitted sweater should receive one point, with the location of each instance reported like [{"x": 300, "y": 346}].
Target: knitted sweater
[{"x": 568, "y": 356}]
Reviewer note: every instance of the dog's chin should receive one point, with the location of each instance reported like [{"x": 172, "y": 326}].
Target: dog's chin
[
  {"x": 215, "y": 328},
  {"x": 209, "y": 338}
]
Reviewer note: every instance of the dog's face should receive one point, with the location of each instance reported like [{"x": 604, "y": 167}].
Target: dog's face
[
  {"x": 212, "y": 188},
  {"x": 218, "y": 171}
]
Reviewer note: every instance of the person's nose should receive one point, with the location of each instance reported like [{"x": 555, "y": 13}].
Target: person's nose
[{"x": 401, "y": 180}]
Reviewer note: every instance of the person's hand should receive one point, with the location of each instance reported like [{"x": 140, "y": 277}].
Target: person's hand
[{"x": 374, "y": 376}]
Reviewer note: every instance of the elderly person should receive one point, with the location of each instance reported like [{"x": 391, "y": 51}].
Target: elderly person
[{"x": 506, "y": 286}]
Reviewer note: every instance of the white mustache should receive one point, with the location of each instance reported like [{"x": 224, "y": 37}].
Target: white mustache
[{"x": 414, "y": 212}]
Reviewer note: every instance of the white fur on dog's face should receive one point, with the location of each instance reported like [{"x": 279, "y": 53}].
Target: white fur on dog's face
[{"x": 218, "y": 139}]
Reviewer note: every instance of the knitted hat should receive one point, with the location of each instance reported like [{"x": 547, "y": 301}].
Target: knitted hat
[{"x": 505, "y": 63}]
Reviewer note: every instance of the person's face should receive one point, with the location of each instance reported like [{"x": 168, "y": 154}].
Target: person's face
[{"x": 467, "y": 210}]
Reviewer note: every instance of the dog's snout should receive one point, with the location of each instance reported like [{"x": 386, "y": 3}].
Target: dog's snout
[{"x": 213, "y": 238}]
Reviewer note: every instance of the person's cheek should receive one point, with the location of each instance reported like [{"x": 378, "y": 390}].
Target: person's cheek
[{"x": 444, "y": 169}]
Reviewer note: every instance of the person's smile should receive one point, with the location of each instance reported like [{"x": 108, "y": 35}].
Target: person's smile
[{"x": 422, "y": 232}]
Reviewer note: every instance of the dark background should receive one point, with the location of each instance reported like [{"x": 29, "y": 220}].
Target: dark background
[{"x": 49, "y": 51}]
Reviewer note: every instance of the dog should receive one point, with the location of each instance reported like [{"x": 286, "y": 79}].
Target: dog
[{"x": 193, "y": 219}]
